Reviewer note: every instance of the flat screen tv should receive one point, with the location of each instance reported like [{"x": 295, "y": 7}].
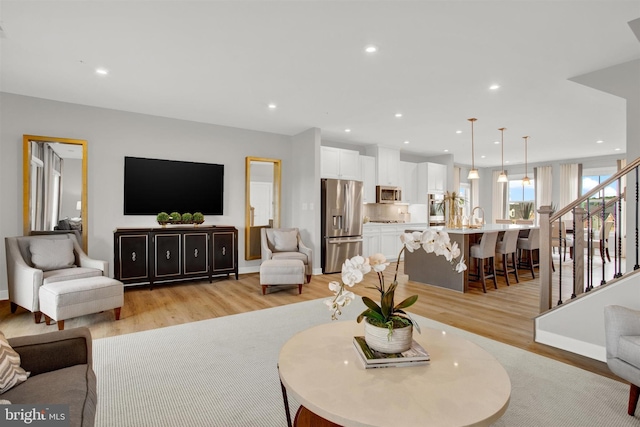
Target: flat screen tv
[{"x": 153, "y": 185}]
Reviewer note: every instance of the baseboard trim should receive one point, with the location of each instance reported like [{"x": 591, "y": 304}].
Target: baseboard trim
[
  {"x": 592, "y": 351},
  {"x": 4, "y": 295}
]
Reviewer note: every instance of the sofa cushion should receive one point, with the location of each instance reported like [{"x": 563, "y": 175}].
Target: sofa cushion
[
  {"x": 629, "y": 350},
  {"x": 52, "y": 254},
  {"x": 290, "y": 255},
  {"x": 11, "y": 374},
  {"x": 75, "y": 386},
  {"x": 285, "y": 241},
  {"x": 53, "y": 276}
]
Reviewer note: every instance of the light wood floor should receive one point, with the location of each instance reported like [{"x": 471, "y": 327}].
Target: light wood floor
[{"x": 505, "y": 314}]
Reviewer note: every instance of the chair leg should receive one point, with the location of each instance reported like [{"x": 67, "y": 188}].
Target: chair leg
[
  {"x": 264, "y": 289},
  {"x": 14, "y": 307},
  {"x": 492, "y": 260},
  {"x": 481, "y": 274},
  {"x": 37, "y": 316},
  {"x": 634, "y": 394},
  {"x": 299, "y": 289},
  {"x": 530, "y": 255},
  {"x": 61, "y": 325},
  {"x": 505, "y": 269},
  {"x": 606, "y": 251},
  {"x": 515, "y": 266},
  {"x": 308, "y": 278},
  {"x": 117, "y": 312}
]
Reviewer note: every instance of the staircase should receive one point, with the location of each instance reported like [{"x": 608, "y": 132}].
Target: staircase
[{"x": 593, "y": 278}]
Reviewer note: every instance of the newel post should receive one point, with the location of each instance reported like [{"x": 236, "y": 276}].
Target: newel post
[{"x": 545, "y": 258}]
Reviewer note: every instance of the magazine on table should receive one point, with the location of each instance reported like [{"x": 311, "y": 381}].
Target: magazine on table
[{"x": 416, "y": 355}]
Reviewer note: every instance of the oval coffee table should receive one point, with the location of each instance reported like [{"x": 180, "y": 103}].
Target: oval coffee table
[{"x": 463, "y": 385}]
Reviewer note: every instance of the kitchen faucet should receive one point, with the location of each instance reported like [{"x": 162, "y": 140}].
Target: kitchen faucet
[{"x": 474, "y": 211}]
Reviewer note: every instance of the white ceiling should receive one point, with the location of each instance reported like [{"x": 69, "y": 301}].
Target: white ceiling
[{"x": 223, "y": 62}]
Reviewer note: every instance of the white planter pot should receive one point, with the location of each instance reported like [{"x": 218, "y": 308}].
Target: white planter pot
[{"x": 378, "y": 338}]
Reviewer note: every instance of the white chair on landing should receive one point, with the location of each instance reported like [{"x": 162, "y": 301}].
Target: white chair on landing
[
  {"x": 486, "y": 249},
  {"x": 508, "y": 246}
]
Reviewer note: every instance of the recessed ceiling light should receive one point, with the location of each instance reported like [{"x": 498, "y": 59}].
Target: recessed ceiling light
[
  {"x": 446, "y": 151},
  {"x": 371, "y": 49},
  {"x": 483, "y": 157},
  {"x": 506, "y": 161},
  {"x": 599, "y": 141},
  {"x": 398, "y": 114},
  {"x": 102, "y": 71},
  {"x": 616, "y": 149},
  {"x": 496, "y": 142},
  {"x": 458, "y": 131},
  {"x": 273, "y": 106},
  {"x": 494, "y": 87},
  {"x": 347, "y": 130},
  {"x": 406, "y": 142}
]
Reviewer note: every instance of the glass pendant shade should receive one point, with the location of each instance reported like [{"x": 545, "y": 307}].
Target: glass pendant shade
[
  {"x": 502, "y": 177},
  {"x": 473, "y": 173},
  {"x": 526, "y": 180}
]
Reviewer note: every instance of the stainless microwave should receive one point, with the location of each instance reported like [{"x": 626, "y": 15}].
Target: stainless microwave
[{"x": 388, "y": 194}]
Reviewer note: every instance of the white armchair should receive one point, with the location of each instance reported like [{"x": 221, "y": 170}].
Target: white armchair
[
  {"x": 285, "y": 243},
  {"x": 33, "y": 261},
  {"x": 622, "y": 333}
]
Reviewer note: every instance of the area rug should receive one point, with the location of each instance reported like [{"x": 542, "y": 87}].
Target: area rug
[{"x": 222, "y": 372}]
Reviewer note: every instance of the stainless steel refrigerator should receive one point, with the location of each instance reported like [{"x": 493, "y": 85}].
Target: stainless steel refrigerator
[{"x": 341, "y": 204}]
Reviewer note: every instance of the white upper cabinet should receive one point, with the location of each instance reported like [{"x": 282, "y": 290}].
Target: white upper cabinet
[
  {"x": 408, "y": 182},
  {"x": 339, "y": 163},
  {"x": 368, "y": 178},
  {"x": 431, "y": 178},
  {"x": 388, "y": 167}
]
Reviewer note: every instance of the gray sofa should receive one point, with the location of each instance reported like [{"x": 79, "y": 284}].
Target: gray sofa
[
  {"x": 622, "y": 332},
  {"x": 61, "y": 369}
]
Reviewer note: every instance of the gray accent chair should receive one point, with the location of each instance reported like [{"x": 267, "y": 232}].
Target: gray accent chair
[
  {"x": 622, "y": 332},
  {"x": 270, "y": 249},
  {"x": 24, "y": 280},
  {"x": 61, "y": 368}
]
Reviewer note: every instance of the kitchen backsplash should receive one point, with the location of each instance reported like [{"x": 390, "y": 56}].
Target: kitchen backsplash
[{"x": 384, "y": 212}]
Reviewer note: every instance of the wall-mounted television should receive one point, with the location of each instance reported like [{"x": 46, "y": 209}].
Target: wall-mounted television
[{"x": 154, "y": 185}]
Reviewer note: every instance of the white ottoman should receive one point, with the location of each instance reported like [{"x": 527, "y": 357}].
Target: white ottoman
[
  {"x": 275, "y": 272},
  {"x": 73, "y": 298}
]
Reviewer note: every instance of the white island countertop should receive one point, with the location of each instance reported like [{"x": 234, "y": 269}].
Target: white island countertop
[{"x": 468, "y": 230}]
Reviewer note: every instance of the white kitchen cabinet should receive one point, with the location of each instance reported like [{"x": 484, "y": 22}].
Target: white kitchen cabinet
[
  {"x": 431, "y": 178},
  {"x": 436, "y": 178},
  {"x": 371, "y": 241},
  {"x": 339, "y": 163},
  {"x": 388, "y": 166},
  {"x": 368, "y": 178},
  {"x": 390, "y": 243},
  {"x": 408, "y": 183}
]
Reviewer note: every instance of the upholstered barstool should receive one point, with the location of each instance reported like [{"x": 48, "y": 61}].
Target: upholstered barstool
[
  {"x": 486, "y": 249},
  {"x": 508, "y": 246},
  {"x": 530, "y": 244}
]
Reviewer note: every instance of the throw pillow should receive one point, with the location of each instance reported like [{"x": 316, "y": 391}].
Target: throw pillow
[
  {"x": 51, "y": 254},
  {"x": 285, "y": 241},
  {"x": 11, "y": 373}
]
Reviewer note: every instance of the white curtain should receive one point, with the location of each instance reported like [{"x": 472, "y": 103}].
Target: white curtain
[
  {"x": 569, "y": 188},
  {"x": 543, "y": 180},
  {"x": 498, "y": 206}
]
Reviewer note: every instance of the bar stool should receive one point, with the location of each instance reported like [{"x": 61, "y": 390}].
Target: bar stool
[
  {"x": 486, "y": 249},
  {"x": 508, "y": 246},
  {"x": 530, "y": 244}
]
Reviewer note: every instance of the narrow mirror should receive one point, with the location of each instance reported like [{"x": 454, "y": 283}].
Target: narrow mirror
[
  {"x": 262, "y": 201},
  {"x": 54, "y": 186}
]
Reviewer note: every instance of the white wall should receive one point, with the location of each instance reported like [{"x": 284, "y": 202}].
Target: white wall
[{"x": 111, "y": 135}]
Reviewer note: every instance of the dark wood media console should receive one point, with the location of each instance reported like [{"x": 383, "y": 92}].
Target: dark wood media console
[{"x": 174, "y": 253}]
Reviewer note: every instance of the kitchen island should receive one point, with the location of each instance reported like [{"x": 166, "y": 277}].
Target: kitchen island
[{"x": 436, "y": 270}]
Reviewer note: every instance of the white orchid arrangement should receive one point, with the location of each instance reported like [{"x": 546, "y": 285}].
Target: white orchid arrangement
[{"x": 388, "y": 314}]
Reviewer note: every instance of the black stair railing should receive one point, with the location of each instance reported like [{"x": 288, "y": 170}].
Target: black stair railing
[{"x": 575, "y": 227}]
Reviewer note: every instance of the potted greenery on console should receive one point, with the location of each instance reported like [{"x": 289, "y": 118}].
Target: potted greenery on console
[
  {"x": 187, "y": 218},
  {"x": 163, "y": 218},
  {"x": 198, "y": 218},
  {"x": 176, "y": 218}
]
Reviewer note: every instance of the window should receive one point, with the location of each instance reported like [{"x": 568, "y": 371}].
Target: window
[
  {"x": 589, "y": 182},
  {"x": 521, "y": 199}
]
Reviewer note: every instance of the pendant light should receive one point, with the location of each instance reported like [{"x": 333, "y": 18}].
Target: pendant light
[
  {"x": 525, "y": 180},
  {"x": 473, "y": 173},
  {"x": 503, "y": 176}
]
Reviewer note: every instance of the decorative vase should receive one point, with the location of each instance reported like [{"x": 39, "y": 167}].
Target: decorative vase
[
  {"x": 451, "y": 214},
  {"x": 378, "y": 338}
]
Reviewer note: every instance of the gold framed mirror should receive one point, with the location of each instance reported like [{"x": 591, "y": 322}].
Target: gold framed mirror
[
  {"x": 262, "y": 201},
  {"x": 54, "y": 185}
]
